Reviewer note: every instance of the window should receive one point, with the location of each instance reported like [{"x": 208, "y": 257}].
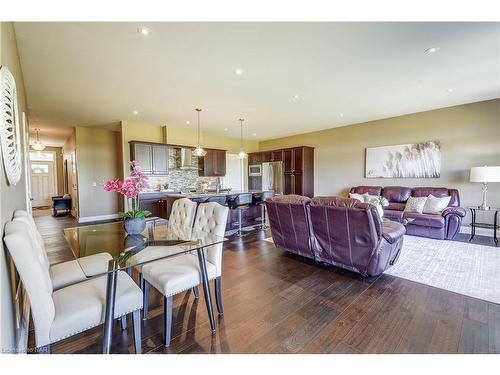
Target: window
[
  {"x": 39, "y": 168},
  {"x": 41, "y": 156}
]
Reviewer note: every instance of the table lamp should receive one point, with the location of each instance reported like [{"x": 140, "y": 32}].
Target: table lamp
[{"x": 484, "y": 175}]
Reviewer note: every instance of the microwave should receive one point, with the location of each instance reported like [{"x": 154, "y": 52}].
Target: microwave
[{"x": 255, "y": 170}]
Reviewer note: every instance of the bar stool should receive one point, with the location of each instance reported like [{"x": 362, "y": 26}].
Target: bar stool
[
  {"x": 260, "y": 200},
  {"x": 239, "y": 202}
]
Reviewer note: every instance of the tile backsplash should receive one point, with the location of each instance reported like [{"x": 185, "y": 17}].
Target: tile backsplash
[{"x": 180, "y": 179}]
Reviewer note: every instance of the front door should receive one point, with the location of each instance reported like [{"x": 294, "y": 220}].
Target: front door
[{"x": 43, "y": 183}]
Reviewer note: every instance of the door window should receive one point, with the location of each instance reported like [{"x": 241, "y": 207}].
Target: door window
[{"x": 39, "y": 168}]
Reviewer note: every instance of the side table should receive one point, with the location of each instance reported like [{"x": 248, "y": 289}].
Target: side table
[{"x": 474, "y": 224}]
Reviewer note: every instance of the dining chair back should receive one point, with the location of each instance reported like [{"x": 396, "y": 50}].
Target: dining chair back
[
  {"x": 37, "y": 241},
  {"x": 211, "y": 219},
  {"x": 35, "y": 277},
  {"x": 180, "y": 221}
]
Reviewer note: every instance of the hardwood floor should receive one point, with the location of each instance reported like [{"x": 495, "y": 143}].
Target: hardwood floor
[{"x": 275, "y": 302}]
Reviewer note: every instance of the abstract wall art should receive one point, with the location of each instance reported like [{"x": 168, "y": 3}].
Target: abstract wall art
[{"x": 413, "y": 160}]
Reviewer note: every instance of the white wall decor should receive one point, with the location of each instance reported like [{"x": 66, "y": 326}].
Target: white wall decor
[
  {"x": 413, "y": 160},
  {"x": 9, "y": 127}
]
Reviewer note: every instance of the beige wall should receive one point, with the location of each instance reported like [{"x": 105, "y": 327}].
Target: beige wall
[
  {"x": 469, "y": 135},
  {"x": 97, "y": 160},
  {"x": 11, "y": 197}
]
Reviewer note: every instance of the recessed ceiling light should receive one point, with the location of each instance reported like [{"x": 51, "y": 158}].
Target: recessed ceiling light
[
  {"x": 450, "y": 90},
  {"x": 226, "y": 129},
  {"x": 296, "y": 96},
  {"x": 239, "y": 71},
  {"x": 188, "y": 122},
  {"x": 254, "y": 134},
  {"x": 144, "y": 30},
  {"x": 136, "y": 112},
  {"x": 432, "y": 50}
]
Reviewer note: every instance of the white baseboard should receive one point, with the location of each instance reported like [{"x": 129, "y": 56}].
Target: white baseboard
[
  {"x": 479, "y": 231},
  {"x": 88, "y": 219}
]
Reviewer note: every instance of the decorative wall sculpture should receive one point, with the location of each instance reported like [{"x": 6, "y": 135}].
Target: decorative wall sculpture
[
  {"x": 9, "y": 127},
  {"x": 413, "y": 160}
]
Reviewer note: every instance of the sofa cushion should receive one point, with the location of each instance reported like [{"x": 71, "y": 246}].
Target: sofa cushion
[
  {"x": 426, "y": 220},
  {"x": 372, "y": 190},
  {"x": 396, "y": 206},
  {"x": 435, "y": 205},
  {"x": 397, "y": 194},
  {"x": 393, "y": 213},
  {"x": 415, "y": 204},
  {"x": 392, "y": 231}
]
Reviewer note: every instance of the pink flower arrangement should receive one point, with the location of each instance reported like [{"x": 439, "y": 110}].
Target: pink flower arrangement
[{"x": 130, "y": 188}]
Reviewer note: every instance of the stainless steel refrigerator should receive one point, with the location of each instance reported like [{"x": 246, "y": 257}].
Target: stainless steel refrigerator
[{"x": 273, "y": 177}]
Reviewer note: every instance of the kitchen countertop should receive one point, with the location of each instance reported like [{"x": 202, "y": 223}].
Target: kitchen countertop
[{"x": 197, "y": 195}]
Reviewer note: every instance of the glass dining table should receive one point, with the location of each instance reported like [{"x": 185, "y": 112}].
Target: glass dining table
[{"x": 128, "y": 251}]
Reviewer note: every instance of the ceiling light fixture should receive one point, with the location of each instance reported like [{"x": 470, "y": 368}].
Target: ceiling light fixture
[
  {"x": 226, "y": 129},
  {"x": 136, "y": 112},
  {"x": 431, "y": 51},
  {"x": 188, "y": 122},
  {"x": 450, "y": 90},
  {"x": 296, "y": 96},
  {"x": 254, "y": 134},
  {"x": 38, "y": 145},
  {"x": 239, "y": 71},
  {"x": 341, "y": 115},
  {"x": 242, "y": 154},
  {"x": 199, "y": 151},
  {"x": 144, "y": 31}
]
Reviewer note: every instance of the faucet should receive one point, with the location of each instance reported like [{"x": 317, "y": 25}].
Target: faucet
[{"x": 217, "y": 185}]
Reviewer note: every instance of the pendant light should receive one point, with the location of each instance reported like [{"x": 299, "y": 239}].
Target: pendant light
[
  {"x": 199, "y": 151},
  {"x": 242, "y": 154},
  {"x": 38, "y": 145}
]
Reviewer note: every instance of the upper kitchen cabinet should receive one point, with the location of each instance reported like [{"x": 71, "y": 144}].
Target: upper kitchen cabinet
[
  {"x": 213, "y": 163},
  {"x": 152, "y": 157}
]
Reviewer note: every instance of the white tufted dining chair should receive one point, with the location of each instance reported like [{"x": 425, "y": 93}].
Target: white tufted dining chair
[
  {"x": 65, "y": 273},
  {"x": 70, "y": 310},
  {"x": 177, "y": 274}
]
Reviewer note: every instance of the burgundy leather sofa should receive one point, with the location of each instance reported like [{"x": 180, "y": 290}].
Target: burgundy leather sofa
[
  {"x": 334, "y": 230},
  {"x": 443, "y": 226}
]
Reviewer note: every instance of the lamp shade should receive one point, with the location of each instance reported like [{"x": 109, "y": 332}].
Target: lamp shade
[{"x": 485, "y": 174}]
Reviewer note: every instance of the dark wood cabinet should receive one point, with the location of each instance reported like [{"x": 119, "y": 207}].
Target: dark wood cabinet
[
  {"x": 213, "y": 163},
  {"x": 298, "y": 165},
  {"x": 254, "y": 158},
  {"x": 152, "y": 157},
  {"x": 298, "y": 168},
  {"x": 277, "y": 155},
  {"x": 158, "y": 206}
]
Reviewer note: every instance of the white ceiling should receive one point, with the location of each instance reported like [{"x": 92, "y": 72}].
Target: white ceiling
[{"x": 98, "y": 73}]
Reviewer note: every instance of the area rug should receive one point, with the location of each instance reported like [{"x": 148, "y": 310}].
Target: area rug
[
  {"x": 469, "y": 269},
  {"x": 464, "y": 268}
]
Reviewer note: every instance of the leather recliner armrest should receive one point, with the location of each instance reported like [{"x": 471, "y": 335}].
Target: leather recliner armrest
[
  {"x": 392, "y": 231},
  {"x": 459, "y": 211}
]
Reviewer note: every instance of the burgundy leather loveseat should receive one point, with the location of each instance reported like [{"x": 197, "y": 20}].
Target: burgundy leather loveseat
[
  {"x": 334, "y": 230},
  {"x": 443, "y": 226}
]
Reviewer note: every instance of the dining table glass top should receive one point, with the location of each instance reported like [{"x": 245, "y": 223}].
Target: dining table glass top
[{"x": 154, "y": 243}]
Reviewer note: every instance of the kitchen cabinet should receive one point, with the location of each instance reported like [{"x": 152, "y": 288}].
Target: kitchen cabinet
[
  {"x": 255, "y": 158},
  {"x": 157, "y": 205},
  {"x": 298, "y": 168},
  {"x": 277, "y": 155},
  {"x": 213, "y": 163},
  {"x": 152, "y": 157}
]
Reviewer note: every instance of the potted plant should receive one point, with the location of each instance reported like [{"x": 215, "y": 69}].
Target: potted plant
[{"x": 134, "y": 220}]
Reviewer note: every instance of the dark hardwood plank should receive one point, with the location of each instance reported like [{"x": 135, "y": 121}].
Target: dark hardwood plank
[{"x": 276, "y": 302}]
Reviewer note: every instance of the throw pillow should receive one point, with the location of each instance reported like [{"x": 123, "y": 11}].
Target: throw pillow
[
  {"x": 358, "y": 197},
  {"x": 435, "y": 205},
  {"x": 415, "y": 204},
  {"x": 368, "y": 198}
]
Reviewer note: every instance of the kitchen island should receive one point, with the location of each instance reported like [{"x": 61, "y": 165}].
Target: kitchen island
[{"x": 160, "y": 205}]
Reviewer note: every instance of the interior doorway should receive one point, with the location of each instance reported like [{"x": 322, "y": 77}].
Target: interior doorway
[{"x": 43, "y": 178}]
